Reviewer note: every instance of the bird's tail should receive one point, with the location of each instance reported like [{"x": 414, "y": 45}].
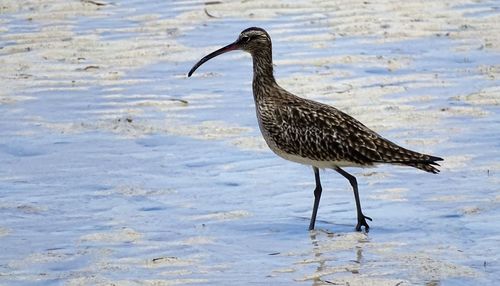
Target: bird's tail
[
  {"x": 395, "y": 154},
  {"x": 427, "y": 165}
]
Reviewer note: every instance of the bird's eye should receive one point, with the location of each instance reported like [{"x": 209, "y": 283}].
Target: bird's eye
[{"x": 245, "y": 39}]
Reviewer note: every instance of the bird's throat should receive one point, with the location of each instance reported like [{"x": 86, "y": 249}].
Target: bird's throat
[{"x": 263, "y": 67}]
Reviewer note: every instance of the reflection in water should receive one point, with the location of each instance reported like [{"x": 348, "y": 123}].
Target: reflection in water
[
  {"x": 317, "y": 255},
  {"x": 359, "y": 256},
  {"x": 340, "y": 257},
  {"x": 327, "y": 243}
]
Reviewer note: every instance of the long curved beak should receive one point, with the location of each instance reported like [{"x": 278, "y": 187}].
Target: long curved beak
[{"x": 228, "y": 48}]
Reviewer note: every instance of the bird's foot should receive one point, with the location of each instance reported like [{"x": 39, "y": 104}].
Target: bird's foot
[{"x": 362, "y": 222}]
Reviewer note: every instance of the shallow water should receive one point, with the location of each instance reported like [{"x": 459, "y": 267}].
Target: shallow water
[{"x": 117, "y": 169}]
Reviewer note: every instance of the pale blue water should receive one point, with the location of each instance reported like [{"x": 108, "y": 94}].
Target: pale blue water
[{"x": 70, "y": 197}]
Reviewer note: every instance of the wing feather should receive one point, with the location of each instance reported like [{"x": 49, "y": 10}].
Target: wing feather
[{"x": 321, "y": 132}]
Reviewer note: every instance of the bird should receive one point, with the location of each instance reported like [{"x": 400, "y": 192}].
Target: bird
[{"x": 313, "y": 133}]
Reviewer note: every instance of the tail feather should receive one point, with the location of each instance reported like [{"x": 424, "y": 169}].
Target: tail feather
[
  {"x": 427, "y": 164},
  {"x": 398, "y": 155},
  {"x": 376, "y": 149}
]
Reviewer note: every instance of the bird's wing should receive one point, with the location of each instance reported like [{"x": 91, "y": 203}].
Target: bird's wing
[{"x": 321, "y": 132}]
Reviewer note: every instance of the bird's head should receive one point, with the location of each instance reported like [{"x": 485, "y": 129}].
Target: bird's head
[
  {"x": 254, "y": 39},
  {"x": 251, "y": 40}
]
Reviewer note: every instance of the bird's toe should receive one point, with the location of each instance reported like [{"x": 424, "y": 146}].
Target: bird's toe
[{"x": 362, "y": 222}]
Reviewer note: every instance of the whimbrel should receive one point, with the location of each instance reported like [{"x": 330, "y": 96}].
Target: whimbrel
[{"x": 312, "y": 133}]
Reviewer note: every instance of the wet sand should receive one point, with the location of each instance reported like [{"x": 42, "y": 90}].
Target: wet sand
[{"x": 117, "y": 169}]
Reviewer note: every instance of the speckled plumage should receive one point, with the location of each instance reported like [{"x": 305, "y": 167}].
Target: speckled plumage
[
  {"x": 313, "y": 133},
  {"x": 319, "y": 132}
]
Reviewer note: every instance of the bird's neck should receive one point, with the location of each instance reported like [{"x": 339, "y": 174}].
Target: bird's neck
[{"x": 263, "y": 77}]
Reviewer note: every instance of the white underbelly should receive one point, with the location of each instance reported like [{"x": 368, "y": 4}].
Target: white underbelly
[
  {"x": 315, "y": 163},
  {"x": 302, "y": 160},
  {"x": 299, "y": 159}
]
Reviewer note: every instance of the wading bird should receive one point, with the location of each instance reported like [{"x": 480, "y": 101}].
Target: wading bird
[{"x": 312, "y": 133}]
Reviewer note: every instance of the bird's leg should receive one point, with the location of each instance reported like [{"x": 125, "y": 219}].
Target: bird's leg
[
  {"x": 361, "y": 217},
  {"x": 317, "y": 197}
]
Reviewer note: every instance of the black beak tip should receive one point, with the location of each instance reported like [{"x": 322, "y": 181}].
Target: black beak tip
[
  {"x": 190, "y": 73},
  {"x": 230, "y": 47}
]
